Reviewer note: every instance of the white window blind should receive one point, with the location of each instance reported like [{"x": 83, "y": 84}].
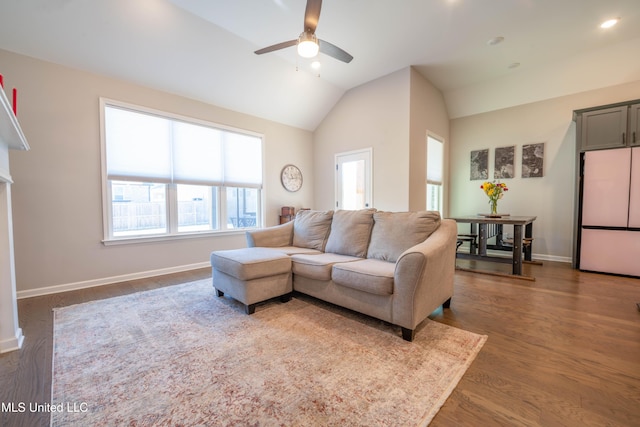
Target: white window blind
[
  {"x": 242, "y": 161},
  {"x": 434, "y": 161},
  {"x": 141, "y": 146},
  {"x": 197, "y": 155},
  {"x": 138, "y": 146}
]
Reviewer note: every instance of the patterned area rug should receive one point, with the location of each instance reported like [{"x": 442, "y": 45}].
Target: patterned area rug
[{"x": 182, "y": 356}]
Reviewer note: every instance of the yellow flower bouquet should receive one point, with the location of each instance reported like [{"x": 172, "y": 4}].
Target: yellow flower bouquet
[{"x": 495, "y": 191}]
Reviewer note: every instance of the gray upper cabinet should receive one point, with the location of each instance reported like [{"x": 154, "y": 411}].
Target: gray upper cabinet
[
  {"x": 634, "y": 125},
  {"x": 611, "y": 127},
  {"x": 604, "y": 128}
]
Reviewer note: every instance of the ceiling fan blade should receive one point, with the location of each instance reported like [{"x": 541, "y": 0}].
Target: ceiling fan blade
[
  {"x": 276, "y": 47},
  {"x": 334, "y": 51},
  {"x": 312, "y": 15}
]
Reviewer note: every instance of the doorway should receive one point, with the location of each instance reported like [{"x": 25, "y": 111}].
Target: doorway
[{"x": 353, "y": 188}]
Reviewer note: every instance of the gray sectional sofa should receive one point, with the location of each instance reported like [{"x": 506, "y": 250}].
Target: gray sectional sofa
[{"x": 394, "y": 266}]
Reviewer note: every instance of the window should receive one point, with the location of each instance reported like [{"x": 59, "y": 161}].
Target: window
[
  {"x": 168, "y": 176},
  {"x": 435, "y": 160}
]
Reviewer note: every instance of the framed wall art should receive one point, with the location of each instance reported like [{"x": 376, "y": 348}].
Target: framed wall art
[
  {"x": 479, "y": 164},
  {"x": 533, "y": 160},
  {"x": 504, "y": 162}
]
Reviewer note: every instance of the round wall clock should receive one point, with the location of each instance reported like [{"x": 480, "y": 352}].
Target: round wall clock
[{"x": 291, "y": 178}]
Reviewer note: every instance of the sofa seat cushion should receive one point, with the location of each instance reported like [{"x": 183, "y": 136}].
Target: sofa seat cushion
[
  {"x": 395, "y": 232},
  {"x": 318, "y": 266},
  {"x": 251, "y": 263},
  {"x": 368, "y": 275},
  {"x": 294, "y": 250},
  {"x": 350, "y": 232}
]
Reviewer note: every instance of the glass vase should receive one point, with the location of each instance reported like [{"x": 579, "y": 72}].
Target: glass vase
[{"x": 494, "y": 206}]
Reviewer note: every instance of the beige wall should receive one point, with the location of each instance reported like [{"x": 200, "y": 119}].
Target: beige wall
[
  {"x": 57, "y": 200},
  {"x": 375, "y": 115},
  {"x": 428, "y": 115},
  {"x": 550, "y": 198},
  {"x": 57, "y": 192},
  {"x": 392, "y": 115}
]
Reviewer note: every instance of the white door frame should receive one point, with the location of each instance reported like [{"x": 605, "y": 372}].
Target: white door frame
[{"x": 365, "y": 154}]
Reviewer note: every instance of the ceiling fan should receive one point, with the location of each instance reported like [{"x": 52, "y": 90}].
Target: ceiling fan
[{"x": 308, "y": 44}]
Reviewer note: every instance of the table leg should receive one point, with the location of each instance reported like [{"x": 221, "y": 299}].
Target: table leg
[
  {"x": 517, "y": 249},
  {"x": 482, "y": 239},
  {"x": 528, "y": 233},
  {"x": 473, "y": 246}
]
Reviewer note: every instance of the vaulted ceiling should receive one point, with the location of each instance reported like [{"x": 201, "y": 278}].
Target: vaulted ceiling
[{"x": 203, "y": 49}]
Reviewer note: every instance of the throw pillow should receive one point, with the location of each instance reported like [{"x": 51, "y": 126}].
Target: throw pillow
[
  {"x": 350, "y": 232},
  {"x": 395, "y": 232},
  {"x": 311, "y": 229}
]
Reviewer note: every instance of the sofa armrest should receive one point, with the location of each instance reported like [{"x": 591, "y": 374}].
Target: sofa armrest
[
  {"x": 423, "y": 277},
  {"x": 271, "y": 237}
]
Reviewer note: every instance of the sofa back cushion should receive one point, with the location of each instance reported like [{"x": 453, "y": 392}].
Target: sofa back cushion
[
  {"x": 311, "y": 229},
  {"x": 395, "y": 232},
  {"x": 350, "y": 232}
]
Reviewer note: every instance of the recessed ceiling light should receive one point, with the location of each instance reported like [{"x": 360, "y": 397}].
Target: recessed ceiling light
[
  {"x": 609, "y": 23},
  {"x": 496, "y": 40}
]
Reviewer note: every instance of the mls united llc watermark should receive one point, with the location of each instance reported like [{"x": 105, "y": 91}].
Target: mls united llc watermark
[{"x": 21, "y": 407}]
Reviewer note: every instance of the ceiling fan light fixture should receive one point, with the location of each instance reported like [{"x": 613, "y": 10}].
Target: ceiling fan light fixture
[
  {"x": 308, "y": 45},
  {"x": 609, "y": 23}
]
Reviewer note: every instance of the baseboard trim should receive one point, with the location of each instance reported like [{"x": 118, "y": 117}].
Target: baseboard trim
[
  {"x": 179, "y": 269},
  {"x": 555, "y": 258},
  {"x": 12, "y": 344},
  {"x": 107, "y": 280},
  {"x": 535, "y": 257}
]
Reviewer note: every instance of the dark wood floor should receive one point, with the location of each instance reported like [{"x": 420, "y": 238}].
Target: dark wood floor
[{"x": 563, "y": 350}]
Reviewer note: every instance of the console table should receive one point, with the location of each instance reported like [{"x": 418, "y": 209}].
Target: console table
[{"x": 522, "y": 229}]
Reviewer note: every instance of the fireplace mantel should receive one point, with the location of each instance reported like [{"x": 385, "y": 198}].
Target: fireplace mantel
[
  {"x": 11, "y": 137},
  {"x": 10, "y": 131}
]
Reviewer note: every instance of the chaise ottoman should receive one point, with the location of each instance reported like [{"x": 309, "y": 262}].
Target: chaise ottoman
[{"x": 252, "y": 275}]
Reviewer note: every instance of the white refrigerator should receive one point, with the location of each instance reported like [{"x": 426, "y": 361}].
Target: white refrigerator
[{"x": 610, "y": 212}]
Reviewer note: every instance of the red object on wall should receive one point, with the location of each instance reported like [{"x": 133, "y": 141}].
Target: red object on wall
[
  {"x": 1, "y": 81},
  {"x": 15, "y": 101}
]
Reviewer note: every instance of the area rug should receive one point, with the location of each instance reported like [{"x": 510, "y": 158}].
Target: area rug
[{"x": 180, "y": 356}]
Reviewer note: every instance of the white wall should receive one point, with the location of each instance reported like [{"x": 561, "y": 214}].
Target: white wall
[
  {"x": 550, "y": 198},
  {"x": 57, "y": 201}
]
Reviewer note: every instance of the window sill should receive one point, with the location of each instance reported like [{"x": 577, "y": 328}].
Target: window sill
[{"x": 165, "y": 238}]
